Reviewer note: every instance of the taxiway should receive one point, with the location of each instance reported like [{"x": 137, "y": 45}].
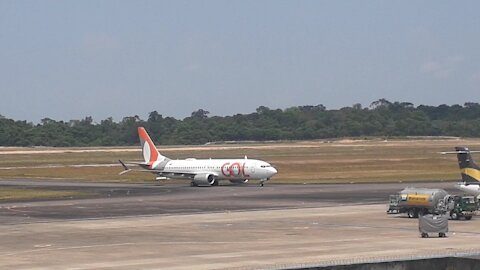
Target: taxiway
[{"x": 146, "y": 226}]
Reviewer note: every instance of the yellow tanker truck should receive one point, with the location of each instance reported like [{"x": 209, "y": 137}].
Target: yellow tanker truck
[{"x": 415, "y": 201}]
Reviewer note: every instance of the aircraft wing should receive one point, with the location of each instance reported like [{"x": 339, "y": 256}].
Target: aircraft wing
[
  {"x": 158, "y": 172},
  {"x": 161, "y": 173},
  {"x": 459, "y": 152}
]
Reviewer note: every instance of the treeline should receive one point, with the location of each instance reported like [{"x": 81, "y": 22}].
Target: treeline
[{"x": 382, "y": 118}]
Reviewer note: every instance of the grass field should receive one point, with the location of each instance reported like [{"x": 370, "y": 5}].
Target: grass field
[
  {"x": 341, "y": 161},
  {"x": 18, "y": 194}
]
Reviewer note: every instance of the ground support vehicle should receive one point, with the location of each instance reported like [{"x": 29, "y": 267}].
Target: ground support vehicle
[
  {"x": 462, "y": 207},
  {"x": 419, "y": 201},
  {"x": 432, "y": 223}
]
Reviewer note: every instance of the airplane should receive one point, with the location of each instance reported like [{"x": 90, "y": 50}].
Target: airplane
[
  {"x": 201, "y": 172},
  {"x": 469, "y": 170}
]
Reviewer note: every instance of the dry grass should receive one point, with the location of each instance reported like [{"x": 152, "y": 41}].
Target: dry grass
[
  {"x": 297, "y": 162},
  {"x": 18, "y": 194}
]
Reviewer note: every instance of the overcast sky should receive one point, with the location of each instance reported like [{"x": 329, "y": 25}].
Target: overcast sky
[{"x": 70, "y": 59}]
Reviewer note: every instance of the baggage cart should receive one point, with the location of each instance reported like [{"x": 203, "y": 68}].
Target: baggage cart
[{"x": 431, "y": 223}]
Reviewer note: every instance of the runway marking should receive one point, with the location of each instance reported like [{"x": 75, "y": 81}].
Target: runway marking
[
  {"x": 65, "y": 151},
  {"x": 16, "y": 210},
  {"x": 42, "y": 246},
  {"x": 39, "y": 248},
  {"x": 59, "y": 166}
]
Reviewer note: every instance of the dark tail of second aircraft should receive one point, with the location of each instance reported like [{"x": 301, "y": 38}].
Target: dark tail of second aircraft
[{"x": 469, "y": 169}]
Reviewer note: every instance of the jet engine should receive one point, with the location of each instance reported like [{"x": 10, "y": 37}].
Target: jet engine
[{"x": 205, "y": 179}]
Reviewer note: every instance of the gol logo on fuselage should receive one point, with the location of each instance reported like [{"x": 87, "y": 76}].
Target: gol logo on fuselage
[{"x": 234, "y": 170}]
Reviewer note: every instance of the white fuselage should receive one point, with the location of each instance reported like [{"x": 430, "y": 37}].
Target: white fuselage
[
  {"x": 472, "y": 189},
  {"x": 222, "y": 169}
]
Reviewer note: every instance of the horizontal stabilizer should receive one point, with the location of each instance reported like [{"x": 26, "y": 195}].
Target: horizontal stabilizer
[
  {"x": 123, "y": 165},
  {"x": 124, "y": 172},
  {"x": 125, "y": 168}
]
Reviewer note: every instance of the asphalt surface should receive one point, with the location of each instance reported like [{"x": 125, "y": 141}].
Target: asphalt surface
[
  {"x": 125, "y": 200},
  {"x": 175, "y": 226}
]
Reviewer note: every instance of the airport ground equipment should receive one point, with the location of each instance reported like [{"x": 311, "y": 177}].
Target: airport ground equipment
[
  {"x": 432, "y": 223},
  {"x": 419, "y": 201},
  {"x": 462, "y": 207}
]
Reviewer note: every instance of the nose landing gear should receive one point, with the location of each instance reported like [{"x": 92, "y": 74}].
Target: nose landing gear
[{"x": 262, "y": 181}]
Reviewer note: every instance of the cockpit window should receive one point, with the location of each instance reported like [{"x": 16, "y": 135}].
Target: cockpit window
[{"x": 265, "y": 166}]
